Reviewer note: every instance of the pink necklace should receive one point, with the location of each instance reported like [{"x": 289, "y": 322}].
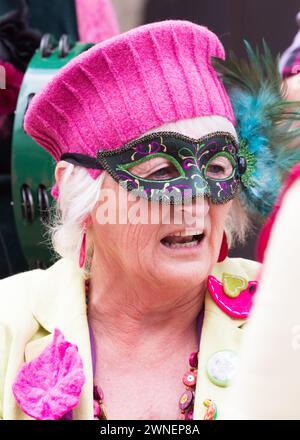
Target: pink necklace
[{"x": 189, "y": 379}]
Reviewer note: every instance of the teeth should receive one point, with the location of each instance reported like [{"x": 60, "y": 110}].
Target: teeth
[
  {"x": 181, "y": 245},
  {"x": 188, "y": 232}
]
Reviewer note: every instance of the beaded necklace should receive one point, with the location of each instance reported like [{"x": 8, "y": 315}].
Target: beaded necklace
[{"x": 189, "y": 379}]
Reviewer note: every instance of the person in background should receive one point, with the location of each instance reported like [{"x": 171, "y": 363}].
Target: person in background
[{"x": 289, "y": 66}]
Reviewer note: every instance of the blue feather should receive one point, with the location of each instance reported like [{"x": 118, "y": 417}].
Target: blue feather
[{"x": 263, "y": 119}]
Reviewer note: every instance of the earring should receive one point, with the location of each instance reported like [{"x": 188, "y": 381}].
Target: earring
[
  {"x": 224, "y": 249},
  {"x": 82, "y": 249}
]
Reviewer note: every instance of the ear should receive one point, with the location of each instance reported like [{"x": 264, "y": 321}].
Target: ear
[{"x": 59, "y": 170}]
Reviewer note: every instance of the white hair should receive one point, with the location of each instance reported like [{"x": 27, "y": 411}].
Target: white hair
[{"x": 79, "y": 193}]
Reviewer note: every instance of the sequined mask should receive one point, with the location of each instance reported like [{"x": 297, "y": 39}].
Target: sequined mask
[{"x": 169, "y": 167}]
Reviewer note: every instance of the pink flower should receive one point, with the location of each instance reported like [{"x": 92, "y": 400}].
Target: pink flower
[
  {"x": 8, "y": 96},
  {"x": 49, "y": 386}
]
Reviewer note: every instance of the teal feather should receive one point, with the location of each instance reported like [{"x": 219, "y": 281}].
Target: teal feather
[{"x": 264, "y": 124}]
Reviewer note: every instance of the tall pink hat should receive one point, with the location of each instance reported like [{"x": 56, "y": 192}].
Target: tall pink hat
[{"x": 127, "y": 85}]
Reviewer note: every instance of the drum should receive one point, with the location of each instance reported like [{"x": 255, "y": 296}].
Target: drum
[{"x": 32, "y": 168}]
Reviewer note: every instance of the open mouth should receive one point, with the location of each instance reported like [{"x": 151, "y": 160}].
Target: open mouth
[{"x": 185, "y": 239}]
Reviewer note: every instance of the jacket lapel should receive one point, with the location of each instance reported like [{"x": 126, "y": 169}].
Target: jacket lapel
[
  {"x": 219, "y": 332},
  {"x": 62, "y": 305}
]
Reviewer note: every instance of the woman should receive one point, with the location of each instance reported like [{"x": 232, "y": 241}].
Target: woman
[{"x": 141, "y": 125}]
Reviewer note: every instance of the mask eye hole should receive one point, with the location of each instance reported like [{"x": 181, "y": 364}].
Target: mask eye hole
[
  {"x": 219, "y": 167},
  {"x": 158, "y": 168}
]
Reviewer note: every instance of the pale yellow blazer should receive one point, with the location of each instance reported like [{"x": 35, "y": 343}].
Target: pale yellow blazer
[{"x": 34, "y": 303}]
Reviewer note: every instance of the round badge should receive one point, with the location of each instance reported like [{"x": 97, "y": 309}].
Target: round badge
[{"x": 221, "y": 367}]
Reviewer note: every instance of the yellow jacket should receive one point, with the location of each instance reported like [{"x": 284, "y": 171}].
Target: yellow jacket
[{"x": 34, "y": 303}]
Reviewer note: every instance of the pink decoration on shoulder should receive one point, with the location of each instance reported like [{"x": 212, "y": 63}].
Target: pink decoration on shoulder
[
  {"x": 49, "y": 386},
  {"x": 237, "y": 306}
]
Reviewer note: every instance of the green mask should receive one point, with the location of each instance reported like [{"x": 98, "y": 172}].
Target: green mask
[{"x": 189, "y": 168}]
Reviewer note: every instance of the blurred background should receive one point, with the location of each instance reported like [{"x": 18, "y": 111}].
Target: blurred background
[
  {"x": 37, "y": 37},
  {"x": 231, "y": 20}
]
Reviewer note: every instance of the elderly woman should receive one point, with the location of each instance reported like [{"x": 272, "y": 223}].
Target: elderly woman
[{"x": 152, "y": 184}]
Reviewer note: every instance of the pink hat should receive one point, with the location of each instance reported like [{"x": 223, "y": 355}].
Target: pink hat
[{"x": 127, "y": 85}]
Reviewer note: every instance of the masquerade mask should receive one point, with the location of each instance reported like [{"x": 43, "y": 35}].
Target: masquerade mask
[{"x": 171, "y": 168}]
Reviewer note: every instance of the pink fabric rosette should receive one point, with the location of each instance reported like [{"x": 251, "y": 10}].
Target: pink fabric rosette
[{"x": 49, "y": 386}]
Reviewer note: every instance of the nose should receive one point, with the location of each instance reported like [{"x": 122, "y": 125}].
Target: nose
[
  {"x": 204, "y": 205},
  {"x": 195, "y": 213}
]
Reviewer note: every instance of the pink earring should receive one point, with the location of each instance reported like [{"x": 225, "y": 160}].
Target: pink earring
[
  {"x": 224, "y": 249},
  {"x": 82, "y": 249}
]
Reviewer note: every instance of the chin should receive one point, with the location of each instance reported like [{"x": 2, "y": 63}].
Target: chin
[{"x": 183, "y": 273}]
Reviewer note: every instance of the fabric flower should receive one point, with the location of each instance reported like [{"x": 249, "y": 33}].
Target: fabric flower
[
  {"x": 12, "y": 82},
  {"x": 49, "y": 386}
]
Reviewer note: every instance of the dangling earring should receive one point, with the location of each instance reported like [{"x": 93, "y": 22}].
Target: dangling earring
[
  {"x": 224, "y": 249},
  {"x": 82, "y": 249}
]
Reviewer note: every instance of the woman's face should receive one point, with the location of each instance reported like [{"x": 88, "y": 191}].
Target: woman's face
[{"x": 149, "y": 249}]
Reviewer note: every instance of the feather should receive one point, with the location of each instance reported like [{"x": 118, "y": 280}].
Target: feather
[{"x": 264, "y": 124}]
